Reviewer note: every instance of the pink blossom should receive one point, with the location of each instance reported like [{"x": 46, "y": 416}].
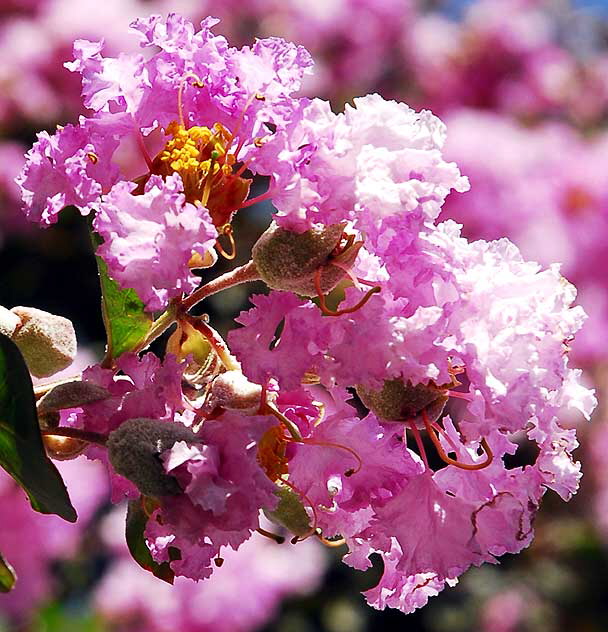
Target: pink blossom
[
  {"x": 150, "y": 238},
  {"x": 71, "y": 167},
  {"x": 147, "y": 388},
  {"x": 215, "y": 102},
  {"x": 371, "y": 163},
  {"x": 477, "y": 305},
  {"x": 348, "y": 490},
  {"x": 464, "y": 341},
  {"x": 224, "y": 490}
]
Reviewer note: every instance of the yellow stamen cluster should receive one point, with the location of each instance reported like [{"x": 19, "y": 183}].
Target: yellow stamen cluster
[{"x": 198, "y": 150}]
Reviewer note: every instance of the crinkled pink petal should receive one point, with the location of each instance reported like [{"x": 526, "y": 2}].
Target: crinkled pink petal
[{"x": 150, "y": 238}]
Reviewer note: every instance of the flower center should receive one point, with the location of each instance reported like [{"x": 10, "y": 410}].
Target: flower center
[
  {"x": 196, "y": 151},
  {"x": 202, "y": 157}
]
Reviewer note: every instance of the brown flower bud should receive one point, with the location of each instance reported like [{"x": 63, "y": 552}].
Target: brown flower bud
[{"x": 71, "y": 395}]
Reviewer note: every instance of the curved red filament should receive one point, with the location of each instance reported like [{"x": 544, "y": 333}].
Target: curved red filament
[
  {"x": 419, "y": 442},
  {"x": 444, "y": 457},
  {"x": 347, "y": 310},
  {"x": 227, "y": 231}
]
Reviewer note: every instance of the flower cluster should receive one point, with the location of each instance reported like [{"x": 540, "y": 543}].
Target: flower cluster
[
  {"x": 397, "y": 390},
  {"x": 518, "y": 57},
  {"x": 215, "y": 104}
]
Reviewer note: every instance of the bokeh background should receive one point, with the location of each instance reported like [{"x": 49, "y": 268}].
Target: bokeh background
[{"x": 523, "y": 88}]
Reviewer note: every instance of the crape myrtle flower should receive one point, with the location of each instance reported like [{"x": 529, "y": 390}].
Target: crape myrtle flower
[
  {"x": 216, "y": 104},
  {"x": 449, "y": 313},
  {"x": 209, "y": 485},
  {"x": 477, "y": 315},
  {"x": 371, "y": 165},
  {"x": 375, "y": 393}
]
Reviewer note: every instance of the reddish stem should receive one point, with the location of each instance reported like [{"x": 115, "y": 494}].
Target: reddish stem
[{"x": 242, "y": 274}]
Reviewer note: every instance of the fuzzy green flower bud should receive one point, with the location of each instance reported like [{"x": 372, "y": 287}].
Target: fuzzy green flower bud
[
  {"x": 47, "y": 342},
  {"x": 289, "y": 261},
  {"x": 134, "y": 450}
]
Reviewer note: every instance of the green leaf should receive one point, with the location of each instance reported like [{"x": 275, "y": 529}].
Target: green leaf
[
  {"x": 22, "y": 452},
  {"x": 136, "y": 525},
  {"x": 7, "y": 576},
  {"x": 123, "y": 313}
]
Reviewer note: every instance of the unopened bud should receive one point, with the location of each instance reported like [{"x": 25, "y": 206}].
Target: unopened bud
[
  {"x": 47, "y": 342},
  {"x": 134, "y": 450},
  {"x": 8, "y": 322},
  {"x": 233, "y": 391},
  {"x": 71, "y": 395},
  {"x": 400, "y": 401},
  {"x": 290, "y": 513},
  {"x": 289, "y": 261}
]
